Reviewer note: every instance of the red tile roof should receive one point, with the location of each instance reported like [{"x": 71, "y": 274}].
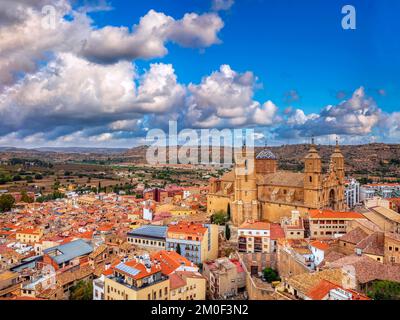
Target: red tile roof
[
  {"x": 255, "y": 225},
  {"x": 330, "y": 214},
  {"x": 276, "y": 232},
  {"x": 170, "y": 261},
  {"x": 322, "y": 289},
  {"x": 187, "y": 228},
  {"x": 319, "y": 245}
]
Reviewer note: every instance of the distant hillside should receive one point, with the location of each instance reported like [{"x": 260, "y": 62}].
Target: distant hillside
[
  {"x": 373, "y": 159},
  {"x": 377, "y": 159},
  {"x": 82, "y": 150}
]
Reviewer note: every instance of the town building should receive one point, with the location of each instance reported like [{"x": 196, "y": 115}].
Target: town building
[
  {"x": 383, "y": 190},
  {"x": 197, "y": 242},
  {"x": 327, "y": 223},
  {"x": 254, "y": 236},
  {"x": 352, "y": 193},
  {"x": 225, "y": 278},
  {"x": 151, "y": 237},
  {"x": 70, "y": 253},
  {"x": 187, "y": 285},
  {"x": 294, "y": 226},
  {"x": 29, "y": 235},
  {"x": 138, "y": 279},
  {"x": 392, "y": 248}
]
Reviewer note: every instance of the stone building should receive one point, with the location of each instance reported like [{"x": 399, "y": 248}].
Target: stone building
[{"x": 267, "y": 193}]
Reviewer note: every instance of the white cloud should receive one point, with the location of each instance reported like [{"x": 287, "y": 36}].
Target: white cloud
[
  {"x": 26, "y": 43},
  {"x": 149, "y": 37},
  {"x": 355, "y": 116},
  {"x": 72, "y": 93},
  {"x": 225, "y": 99}
]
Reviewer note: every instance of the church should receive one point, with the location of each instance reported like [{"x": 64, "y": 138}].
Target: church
[{"x": 269, "y": 194}]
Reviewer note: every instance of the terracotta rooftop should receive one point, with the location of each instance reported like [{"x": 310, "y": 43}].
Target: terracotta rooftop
[
  {"x": 319, "y": 245},
  {"x": 354, "y": 236},
  {"x": 187, "y": 228},
  {"x": 255, "y": 225},
  {"x": 170, "y": 261},
  {"x": 330, "y": 214}
]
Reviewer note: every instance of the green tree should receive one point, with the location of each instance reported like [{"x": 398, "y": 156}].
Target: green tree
[
  {"x": 270, "y": 275},
  {"x": 38, "y": 176},
  {"x": 178, "y": 249},
  {"x": 83, "y": 290},
  {"x": 25, "y": 197},
  {"x": 384, "y": 290},
  {"x": 6, "y": 202},
  {"x": 219, "y": 217},
  {"x": 227, "y": 232}
]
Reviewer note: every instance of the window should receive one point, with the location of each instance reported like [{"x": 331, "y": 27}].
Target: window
[
  {"x": 390, "y": 248},
  {"x": 310, "y": 178}
]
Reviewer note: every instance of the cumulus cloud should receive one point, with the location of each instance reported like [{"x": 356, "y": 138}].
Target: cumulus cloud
[
  {"x": 27, "y": 41},
  {"x": 71, "y": 93},
  {"x": 225, "y": 99},
  {"x": 355, "y": 116},
  {"x": 149, "y": 37}
]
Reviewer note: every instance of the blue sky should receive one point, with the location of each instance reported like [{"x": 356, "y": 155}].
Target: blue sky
[
  {"x": 289, "y": 45},
  {"x": 284, "y": 67}
]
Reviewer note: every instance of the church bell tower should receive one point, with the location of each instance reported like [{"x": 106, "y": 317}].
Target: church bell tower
[
  {"x": 312, "y": 178},
  {"x": 245, "y": 205}
]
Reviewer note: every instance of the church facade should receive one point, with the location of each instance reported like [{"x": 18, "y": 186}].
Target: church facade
[{"x": 268, "y": 194}]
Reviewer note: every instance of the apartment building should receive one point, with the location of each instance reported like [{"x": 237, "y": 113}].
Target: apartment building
[
  {"x": 29, "y": 235},
  {"x": 294, "y": 226},
  {"x": 392, "y": 248},
  {"x": 187, "y": 285},
  {"x": 225, "y": 277},
  {"x": 197, "y": 242},
  {"x": 138, "y": 279},
  {"x": 352, "y": 193},
  {"x": 327, "y": 223},
  {"x": 254, "y": 236},
  {"x": 150, "y": 237},
  {"x": 71, "y": 253}
]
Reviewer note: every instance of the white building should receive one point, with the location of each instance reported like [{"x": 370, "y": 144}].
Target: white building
[
  {"x": 318, "y": 250},
  {"x": 352, "y": 193},
  {"x": 384, "y": 190}
]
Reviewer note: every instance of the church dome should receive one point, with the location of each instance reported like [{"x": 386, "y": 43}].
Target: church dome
[{"x": 266, "y": 154}]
